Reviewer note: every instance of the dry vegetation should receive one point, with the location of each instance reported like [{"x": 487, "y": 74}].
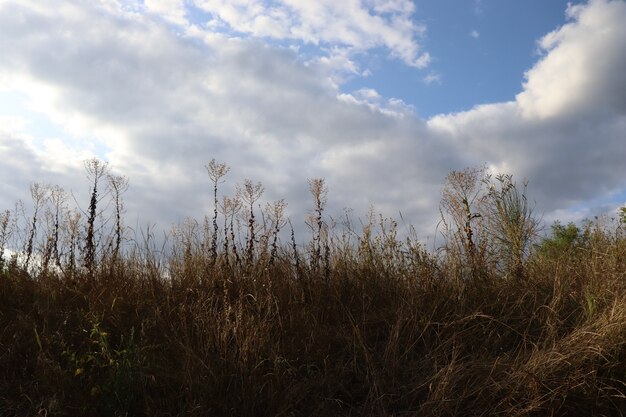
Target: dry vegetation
[{"x": 229, "y": 320}]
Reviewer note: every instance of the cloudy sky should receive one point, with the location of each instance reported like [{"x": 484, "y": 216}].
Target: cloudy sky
[{"x": 382, "y": 98}]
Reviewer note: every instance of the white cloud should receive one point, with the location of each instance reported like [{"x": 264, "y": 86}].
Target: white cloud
[
  {"x": 583, "y": 66},
  {"x": 10, "y": 124},
  {"x": 338, "y": 65},
  {"x": 164, "y": 104},
  {"x": 25, "y": 163},
  {"x": 357, "y": 25},
  {"x": 474, "y": 34},
  {"x": 432, "y": 78},
  {"x": 172, "y": 10},
  {"x": 369, "y": 93}
]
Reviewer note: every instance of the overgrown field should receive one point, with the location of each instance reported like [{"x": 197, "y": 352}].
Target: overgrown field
[{"x": 235, "y": 317}]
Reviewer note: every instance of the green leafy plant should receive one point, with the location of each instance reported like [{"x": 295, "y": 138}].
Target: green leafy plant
[{"x": 111, "y": 376}]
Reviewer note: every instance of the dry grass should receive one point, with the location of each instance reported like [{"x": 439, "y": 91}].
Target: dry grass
[{"x": 366, "y": 324}]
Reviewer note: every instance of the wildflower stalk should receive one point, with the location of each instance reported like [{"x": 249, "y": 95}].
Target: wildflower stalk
[{"x": 216, "y": 172}]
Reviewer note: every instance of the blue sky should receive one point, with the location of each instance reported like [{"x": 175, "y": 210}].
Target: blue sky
[
  {"x": 480, "y": 51},
  {"x": 381, "y": 97}
]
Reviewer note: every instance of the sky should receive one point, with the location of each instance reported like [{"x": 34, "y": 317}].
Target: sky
[{"x": 382, "y": 98}]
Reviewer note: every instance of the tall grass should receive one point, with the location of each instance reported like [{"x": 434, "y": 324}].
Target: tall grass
[{"x": 229, "y": 321}]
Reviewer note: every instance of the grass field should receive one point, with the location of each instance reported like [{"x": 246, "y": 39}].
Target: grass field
[{"x": 236, "y": 318}]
